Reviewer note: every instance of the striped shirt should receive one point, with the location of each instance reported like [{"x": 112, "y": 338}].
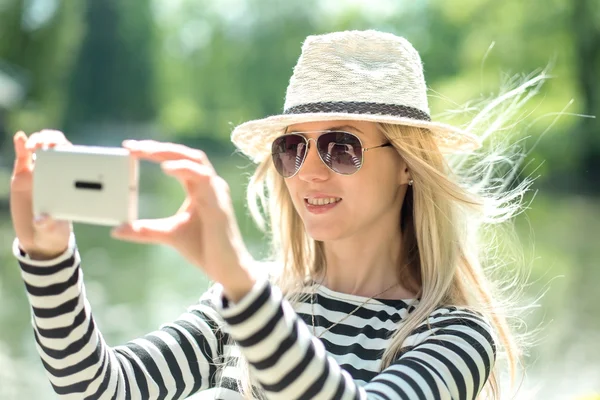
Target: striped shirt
[{"x": 448, "y": 357}]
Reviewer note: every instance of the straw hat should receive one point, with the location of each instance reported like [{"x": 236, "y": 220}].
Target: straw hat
[{"x": 353, "y": 75}]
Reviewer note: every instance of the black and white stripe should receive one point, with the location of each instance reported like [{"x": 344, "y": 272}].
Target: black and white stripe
[{"x": 450, "y": 359}]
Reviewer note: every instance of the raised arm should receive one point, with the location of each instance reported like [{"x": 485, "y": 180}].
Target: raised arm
[
  {"x": 451, "y": 359},
  {"x": 179, "y": 359}
]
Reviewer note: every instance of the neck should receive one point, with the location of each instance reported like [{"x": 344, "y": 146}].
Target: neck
[{"x": 365, "y": 264}]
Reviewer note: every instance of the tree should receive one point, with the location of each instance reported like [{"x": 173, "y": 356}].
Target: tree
[
  {"x": 113, "y": 78},
  {"x": 586, "y": 34}
]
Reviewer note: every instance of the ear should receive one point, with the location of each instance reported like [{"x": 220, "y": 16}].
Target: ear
[{"x": 404, "y": 176}]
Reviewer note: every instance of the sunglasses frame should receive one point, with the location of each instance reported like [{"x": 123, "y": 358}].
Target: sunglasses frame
[{"x": 323, "y": 132}]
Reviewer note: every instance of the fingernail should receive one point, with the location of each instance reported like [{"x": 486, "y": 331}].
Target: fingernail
[
  {"x": 130, "y": 143},
  {"x": 40, "y": 219},
  {"x": 119, "y": 229}
]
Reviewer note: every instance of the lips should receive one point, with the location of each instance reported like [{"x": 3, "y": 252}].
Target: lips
[
  {"x": 322, "y": 201},
  {"x": 320, "y": 195},
  {"x": 319, "y": 203}
]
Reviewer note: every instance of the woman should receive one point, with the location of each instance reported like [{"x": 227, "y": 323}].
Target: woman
[{"x": 377, "y": 290}]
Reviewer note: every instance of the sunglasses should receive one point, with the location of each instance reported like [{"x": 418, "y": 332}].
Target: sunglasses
[{"x": 341, "y": 151}]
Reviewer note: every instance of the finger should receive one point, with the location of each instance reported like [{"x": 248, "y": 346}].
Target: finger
[
  {"x": 149, "y": 231},
  {"x": 199, "y": 181},
  {"x": 46, "y": 223},
  {"x": 44, "y": 139},
  {"x": 186, "y": 206},
  {"x": 22, "y": 155},
  {"x": 152, "y": 150},
  {"x": 187, "y": 170},
  {"x": 193, "y": 177}
]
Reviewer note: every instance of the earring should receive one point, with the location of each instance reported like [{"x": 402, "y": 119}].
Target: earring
[{"x": 410, "y": 182}]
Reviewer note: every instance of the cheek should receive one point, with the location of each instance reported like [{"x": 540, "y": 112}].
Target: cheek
[
  {"x": 290, "y": 184},
  {"x": 379, "y": 187}
]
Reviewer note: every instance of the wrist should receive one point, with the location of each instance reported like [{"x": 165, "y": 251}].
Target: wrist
[
  {"x": 238, "y": 286},
  {"x": 38, "y": 255}
]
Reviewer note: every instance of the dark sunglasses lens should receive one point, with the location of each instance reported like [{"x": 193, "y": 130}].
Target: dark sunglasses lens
[
  {"x": 341, "y": 151},
  {"x": 288, "y": 153}
]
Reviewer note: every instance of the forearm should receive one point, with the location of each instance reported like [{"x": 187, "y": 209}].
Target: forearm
[
  {"x": 287, "y": 360},
  {"x": 70, "y": 346},
  {"x": 175, "y": 361}
]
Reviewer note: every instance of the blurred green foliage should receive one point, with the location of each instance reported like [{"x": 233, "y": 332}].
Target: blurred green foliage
[{"x": 193, "y": 69}]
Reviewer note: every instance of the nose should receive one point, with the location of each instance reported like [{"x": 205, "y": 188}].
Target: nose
[{"x": 313, "y": 168}]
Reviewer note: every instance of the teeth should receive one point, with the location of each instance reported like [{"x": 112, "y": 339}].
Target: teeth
[{"x": 322, "y": 201}]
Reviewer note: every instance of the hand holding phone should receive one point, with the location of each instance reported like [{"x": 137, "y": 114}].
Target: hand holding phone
[
  {"x": 41, "y": 237},
  {"x": 62, "y": 183}
]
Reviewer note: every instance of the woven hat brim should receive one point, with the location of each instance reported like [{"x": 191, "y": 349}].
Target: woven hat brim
[{"x": 254, "y": 138}]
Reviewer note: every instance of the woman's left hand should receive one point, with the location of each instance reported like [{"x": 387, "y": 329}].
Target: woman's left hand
[{"x": 204, "y": 229}]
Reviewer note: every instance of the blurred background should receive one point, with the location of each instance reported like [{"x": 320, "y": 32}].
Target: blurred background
[{"x": 189, "y": 70}]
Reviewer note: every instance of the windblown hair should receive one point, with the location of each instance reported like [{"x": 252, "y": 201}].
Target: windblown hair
[{"x": 454, "y": 255}]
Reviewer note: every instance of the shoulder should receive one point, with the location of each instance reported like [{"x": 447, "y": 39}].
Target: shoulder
[
  {"x": 459, "y": 325},
  {"x": 455, "y": 346},
  {"x": 462, "y": 316}
]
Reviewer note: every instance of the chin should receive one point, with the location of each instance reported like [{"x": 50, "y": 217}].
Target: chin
[
  {"x": 323, "y": 233},
  {"x": 322, "y": 238}
]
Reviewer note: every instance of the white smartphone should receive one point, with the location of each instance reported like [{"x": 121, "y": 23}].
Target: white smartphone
[{"x": 87, "y": 184}]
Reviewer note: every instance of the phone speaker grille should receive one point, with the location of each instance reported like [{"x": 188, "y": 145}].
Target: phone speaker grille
[{"x": 88, "y": 185}]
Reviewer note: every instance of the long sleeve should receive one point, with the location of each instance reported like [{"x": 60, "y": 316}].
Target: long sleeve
[
  {"x": 171, "y": 363},
  {"x": 448, "y": 357}
]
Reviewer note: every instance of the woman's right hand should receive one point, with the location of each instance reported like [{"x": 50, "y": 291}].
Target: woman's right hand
[{"x": 41, "y": 237}]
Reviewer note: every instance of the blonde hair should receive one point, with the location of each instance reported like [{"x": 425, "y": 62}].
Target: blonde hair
[{"x": 452, "y": 199}]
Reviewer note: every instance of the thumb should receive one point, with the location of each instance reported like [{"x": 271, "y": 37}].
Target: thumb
[
  {"x": 46, "y": 223},
  {"x": 149, "y": 231},
  {"x": 23, "y": 160},
  {"x": 50, "y": 236}
]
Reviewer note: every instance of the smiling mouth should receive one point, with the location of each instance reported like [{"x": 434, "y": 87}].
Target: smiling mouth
[{"x": 323, "y": 201}]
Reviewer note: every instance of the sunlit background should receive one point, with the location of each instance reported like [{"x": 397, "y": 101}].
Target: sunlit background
[{"x": 189, "y": 70}]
